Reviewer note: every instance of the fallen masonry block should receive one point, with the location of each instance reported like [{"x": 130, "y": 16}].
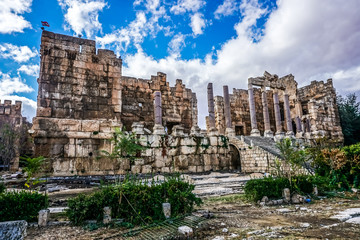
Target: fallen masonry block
[{"x": 13, "y": 230}]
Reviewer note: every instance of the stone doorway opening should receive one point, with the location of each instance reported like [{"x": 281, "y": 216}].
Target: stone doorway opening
[
  {"x": 239, "y": 130},
  {"x": 235, "y": 157}
]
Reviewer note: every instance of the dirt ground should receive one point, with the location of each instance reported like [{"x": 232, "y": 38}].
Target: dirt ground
[{"x": 235, "y": 218}]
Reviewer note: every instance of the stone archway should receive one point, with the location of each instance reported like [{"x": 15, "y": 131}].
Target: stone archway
[{"x": 235, "y": 157}]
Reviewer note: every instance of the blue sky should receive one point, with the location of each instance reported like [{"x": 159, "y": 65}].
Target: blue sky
[{"x": 199, "y": 41}]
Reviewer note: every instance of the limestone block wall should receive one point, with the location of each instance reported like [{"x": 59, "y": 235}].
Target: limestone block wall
[
  {"x": 10, "y": 113},
  {"x": 253, "y": 158},
  {"x": 179, "y": 152},
  {"x": 318, "y": 101},
  {"x": 179, "y": 104}
]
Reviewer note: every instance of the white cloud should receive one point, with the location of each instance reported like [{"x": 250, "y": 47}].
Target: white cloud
[
  {"x": 184, "y": 6},
  {"x": 31, "y": 70},
  {"x": 9, "y": 86},
  {"x": 176, "y": 44},
  {"x": 145, "y": 24},
  {"x": 19, "y": 54},
  {"x": 307, "y": 38},
  {"x": 197, "y": 23},
  {"x": 83, "y": 15},
  {"x": 10, "y": 20},
  {"x": 226, "y": 9}
]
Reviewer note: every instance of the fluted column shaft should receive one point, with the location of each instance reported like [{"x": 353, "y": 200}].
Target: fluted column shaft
[
  {"x": 277, "y": 113},
  {"x": 158, "y": 109},
  {"x": 254, "y": 129},
  {"x": 211, "y": 107},
  {"x": 287, "y": 115},
  {"x": 267, "y": 128},
  {"x": 227, "y": 107}
]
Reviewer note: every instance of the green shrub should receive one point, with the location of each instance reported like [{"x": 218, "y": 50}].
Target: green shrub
[
  {"x": 302, "y": 184},
  {"x": 22, "y": 205},
  {"x": 2, "y": 187},
  {"x": 135, "y": 201},
  {"x": 255, "y": 189}
]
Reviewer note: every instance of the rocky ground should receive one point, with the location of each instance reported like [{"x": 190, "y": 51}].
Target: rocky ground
[{"x": 232, "y": 217}]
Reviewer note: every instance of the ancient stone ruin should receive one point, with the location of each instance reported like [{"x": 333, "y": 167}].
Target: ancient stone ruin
[
  {"x": 83, "y": 96},
  {"x": 11, "y": 114},
  {"x": 278, "y": 108}
]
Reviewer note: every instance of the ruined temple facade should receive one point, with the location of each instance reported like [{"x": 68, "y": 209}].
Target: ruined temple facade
[
  {"x": 274, "y": 106},
  {"x": 11, "y": 114},
  {"x": 83, "y": 96}
]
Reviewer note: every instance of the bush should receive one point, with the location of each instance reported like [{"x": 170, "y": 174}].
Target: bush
[
  {"x": 21, "y": 205},
  {"x": 255, "y": 189},
  {"x": 302, "y": 184},
  {"x": 2, "y": 187},
  {"x": 135, "y": 201}
]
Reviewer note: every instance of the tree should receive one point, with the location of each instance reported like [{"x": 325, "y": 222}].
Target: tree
[{"x": 349, "y": 111}]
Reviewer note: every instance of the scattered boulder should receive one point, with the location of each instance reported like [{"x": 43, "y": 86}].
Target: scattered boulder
[
  {"x": 43, "y": 218},
  {"x": 297, "y": 198},
  {"x": 185, "y": 231},
  {"x": 286, "y": 195},
  {"x": 13, "y": 230}
]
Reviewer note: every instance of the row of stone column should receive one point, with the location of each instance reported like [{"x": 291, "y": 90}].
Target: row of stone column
[{"x": 268, "y": 132}]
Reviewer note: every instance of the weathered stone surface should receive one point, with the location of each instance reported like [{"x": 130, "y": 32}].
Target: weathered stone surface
[
  {"x": 13, "y": 230},
  {"x": 44, "y": 216},
  {"x": 107, "y": 215},
  {"x": 166, "y": 210},
  {"x": 311, "y": 109},
  {"x": 185, "y": 231}
]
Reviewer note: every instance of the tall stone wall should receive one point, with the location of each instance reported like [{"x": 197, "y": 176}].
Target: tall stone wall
[
  {"x": 179, "y": 105},
  {"x": 318, "y": 102},
  {"x": 178, "y": 152},
  {"x": 83, "y": 96},
  {"x": 11, "y": 114}
]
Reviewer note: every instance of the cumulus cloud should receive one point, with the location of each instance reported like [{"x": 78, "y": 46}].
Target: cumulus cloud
[
  {"x": 303, "y": 37},
  {"x": 10, "y": 86},
  {"x": 10, "y": 15},
  {"x": 31, "y": 70},
  {"x": 197, "y": 23},
  {"x": 19, "y": 54},
  {"x": 83, "y": 15},
  {"x": 228, "y": 8},
  {"x": 176, "y": 44},
  {"x": 184, "y": 6},
  {"x": 145, "y": 24}
]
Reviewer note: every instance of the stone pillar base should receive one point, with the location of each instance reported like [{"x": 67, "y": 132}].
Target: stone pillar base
[
  {"x": 279, "y": 136},
  {"x": 268, "y": 133},
  {"x": 230, "y": 132},
  {"x": 195, "y": 130},
  {"x": 255, "y": 133},
  {"x": 299, "y": 135},
  {"x": 290, "y": 134},
  {"x": 158, "y": 129},
  {"x": 213, "y": 132}
]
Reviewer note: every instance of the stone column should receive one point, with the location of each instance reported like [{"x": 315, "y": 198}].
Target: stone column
[
  {"x": 299, "y": 131},
  {"x": 279, "y": 133},
  {"x": 287, "y": 115},
  {"x": 158, "y": 128},
  {"x": 267, "y": 129},
  {"x": 254, "y": 129},
  {"x": 229, "y": 131},
  {"x": 195, "y": 130},
  {"x": 211, "y": 108}
]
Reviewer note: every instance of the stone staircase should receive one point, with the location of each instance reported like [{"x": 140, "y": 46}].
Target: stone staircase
[{"x": 268, "y": 144}]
